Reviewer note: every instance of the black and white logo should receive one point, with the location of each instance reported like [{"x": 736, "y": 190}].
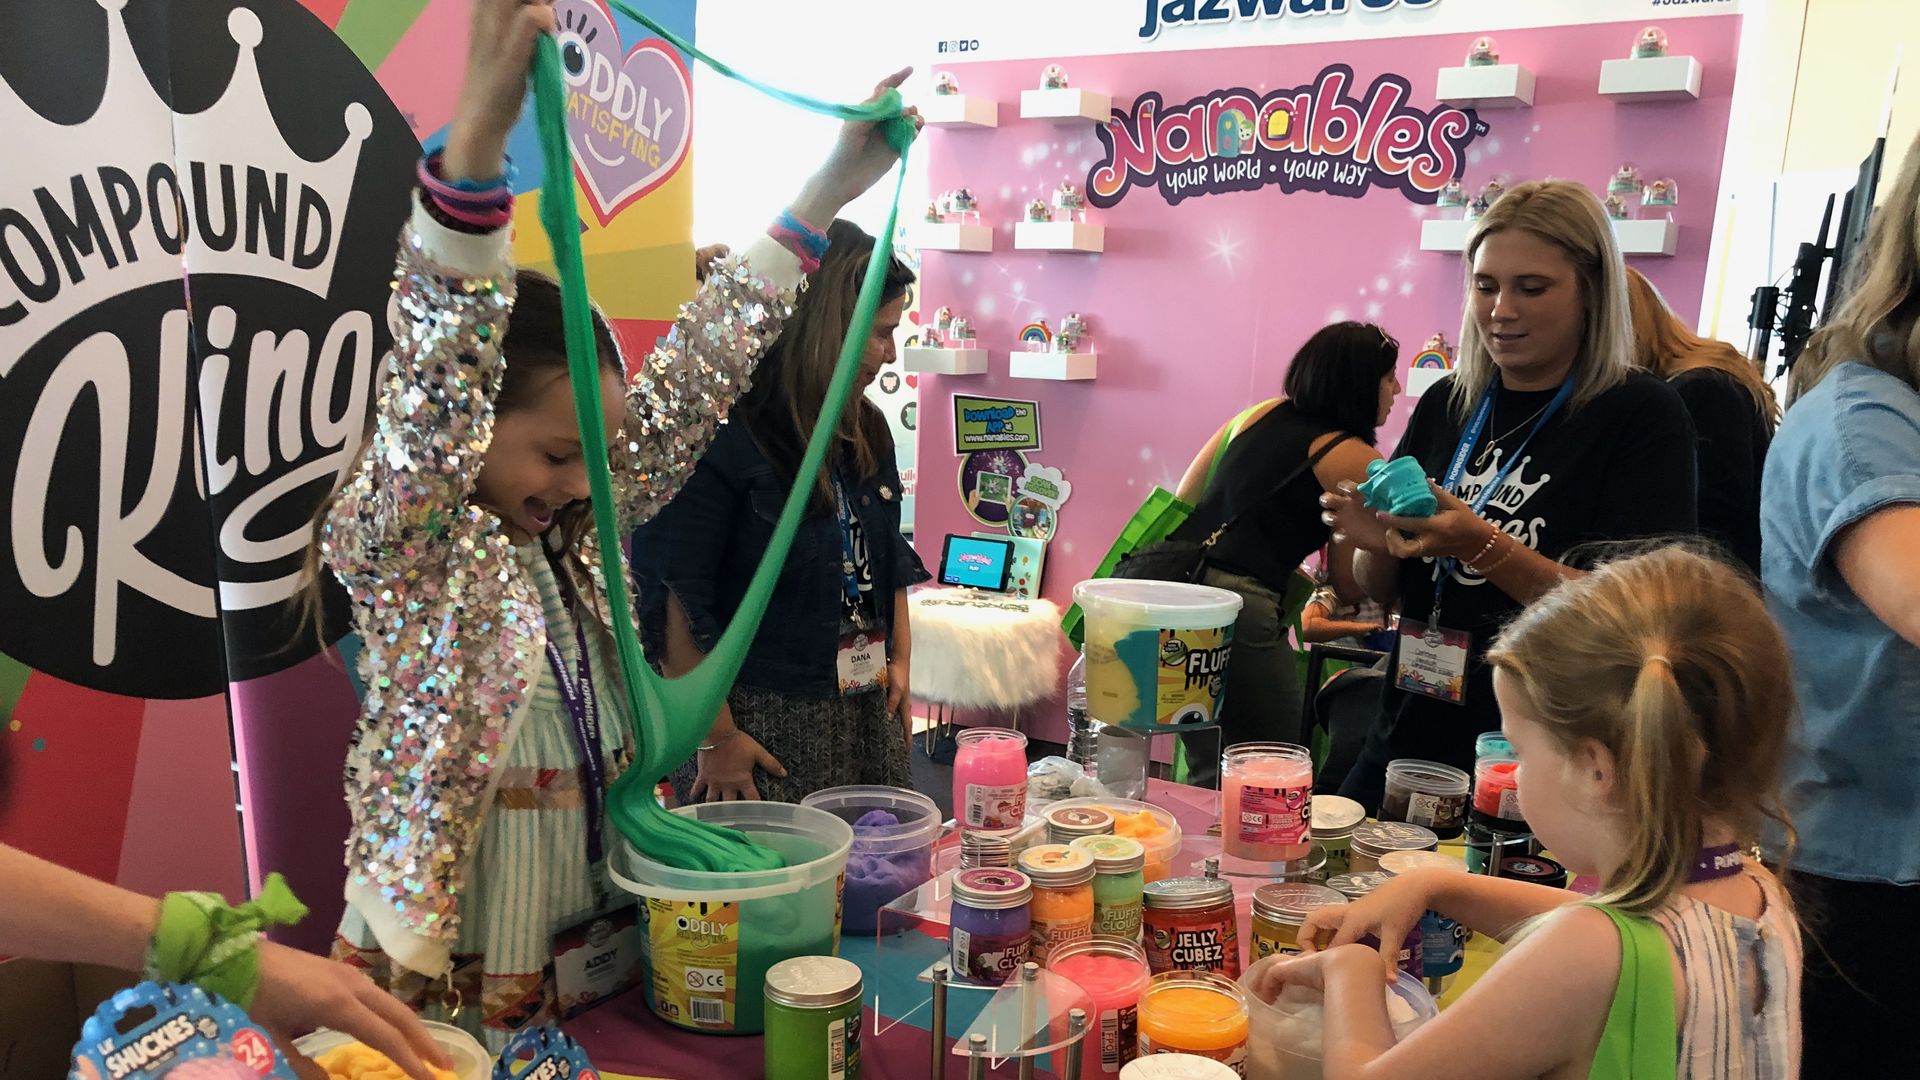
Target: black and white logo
[{"x": 198, "y": 206}]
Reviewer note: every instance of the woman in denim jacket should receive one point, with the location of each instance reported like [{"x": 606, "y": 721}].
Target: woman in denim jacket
[{"x": 823, "y": 699}]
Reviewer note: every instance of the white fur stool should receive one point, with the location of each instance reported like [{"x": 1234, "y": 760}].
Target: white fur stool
[{"x": 983, "y": 650}]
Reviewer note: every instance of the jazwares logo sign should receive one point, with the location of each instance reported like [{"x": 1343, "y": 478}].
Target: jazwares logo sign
[
  {"x": 1171, "y": 13},
  {"x": 1314, "y": 137}
]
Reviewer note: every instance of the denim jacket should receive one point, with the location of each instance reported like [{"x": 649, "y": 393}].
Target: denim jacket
[{"x": 705, "y": 545}]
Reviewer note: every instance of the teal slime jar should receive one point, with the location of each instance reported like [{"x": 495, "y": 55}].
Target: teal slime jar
[{"x": 813, "y": 1019}]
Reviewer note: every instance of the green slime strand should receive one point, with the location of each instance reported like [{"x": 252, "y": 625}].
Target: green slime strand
[{"x": 671, "y": 716}]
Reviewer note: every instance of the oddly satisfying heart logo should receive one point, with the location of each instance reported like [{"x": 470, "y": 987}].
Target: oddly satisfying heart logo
[{"x": 628, "y": 117}]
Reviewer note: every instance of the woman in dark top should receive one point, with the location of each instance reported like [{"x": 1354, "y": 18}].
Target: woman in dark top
[
  {"x": 1545, "y": 410},
  {"x": 823, "y": 697},
  {"x": 1339, "y": 388},
  {"x": 1733, "y": 409}
]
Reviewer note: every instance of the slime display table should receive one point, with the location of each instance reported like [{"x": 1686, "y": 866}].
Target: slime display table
[{"x": 626, "y": 1040}]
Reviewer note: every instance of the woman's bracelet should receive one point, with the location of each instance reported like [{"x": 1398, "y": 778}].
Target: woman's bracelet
[
  {"x": 718, "y": 739},
  {"x": 1493, "y": 538},
  {"x": 1483, "y": 571}
]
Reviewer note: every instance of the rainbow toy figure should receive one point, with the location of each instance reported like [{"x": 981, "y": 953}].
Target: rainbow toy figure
[{"x": 1037, "y": 335}]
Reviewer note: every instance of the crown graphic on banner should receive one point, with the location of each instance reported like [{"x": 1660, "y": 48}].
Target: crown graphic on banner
[{"x": 138, "y": 194}]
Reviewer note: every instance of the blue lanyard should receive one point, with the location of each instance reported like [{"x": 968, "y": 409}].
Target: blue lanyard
[
  {"x": 849, "y": 568},
  {"x": 1469, "y": 440}
]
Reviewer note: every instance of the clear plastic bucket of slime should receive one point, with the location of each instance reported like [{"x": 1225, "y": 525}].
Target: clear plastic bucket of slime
[
  {"x": 894, "y": 831},
  {"x": 1156, "y": 651},
  {"x": 711, "y": 936}
]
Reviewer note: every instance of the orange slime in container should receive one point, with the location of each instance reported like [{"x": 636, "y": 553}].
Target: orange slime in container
[{"x": 1192, "y": 1012}]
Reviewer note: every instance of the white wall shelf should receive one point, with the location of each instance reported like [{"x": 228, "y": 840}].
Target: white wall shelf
[
  {"x": 952, "y": 236},
  {"x": 1065, "y": 106},
  {"x": 1059, "y": 236},
  {"x": 1422, "y": 379},
  {"x": 1445, "y": 234},
  {"x": 1653, "y": 236},
  {"x": 1498, "y": 86},
  {"x": 1059, "y": 366},
  {"x": 1652, "y": 78},
  {"x": 945, "y": 361},
  {"x": 960, "y": 110}
]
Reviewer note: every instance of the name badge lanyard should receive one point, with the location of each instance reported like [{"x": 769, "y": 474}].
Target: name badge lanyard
[
  {"x": 849, "y": 567},
  {"x": 1469, "y": 440},
  {"x": 583, "y": 708}
]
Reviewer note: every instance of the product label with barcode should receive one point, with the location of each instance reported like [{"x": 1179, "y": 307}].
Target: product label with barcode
[
  {"x": 1119, "y": 1038},
  {"x": 1510, "y": 804},
  {"x": 693, "y": 955},
  {"x": 843, "y": 1049},
  {"x": 1431, "y": 811}
]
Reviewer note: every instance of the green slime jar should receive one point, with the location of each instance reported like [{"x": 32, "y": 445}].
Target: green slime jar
[
  {"x": 1118, "y": 877},
  {"x": 813, "y": 1019}
]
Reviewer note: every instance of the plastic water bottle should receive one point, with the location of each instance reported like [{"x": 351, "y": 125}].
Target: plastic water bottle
[{"x": 1112, "y": 755}]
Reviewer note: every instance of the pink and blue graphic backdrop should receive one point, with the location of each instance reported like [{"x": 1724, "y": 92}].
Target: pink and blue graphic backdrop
[{"x": 1195, "y": 308}]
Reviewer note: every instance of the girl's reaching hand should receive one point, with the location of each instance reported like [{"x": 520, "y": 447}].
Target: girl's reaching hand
[
  {"x": 860, "y": 156},
  {"x": 1389, "y": 913},
  {"x": 499, "y": 53}
]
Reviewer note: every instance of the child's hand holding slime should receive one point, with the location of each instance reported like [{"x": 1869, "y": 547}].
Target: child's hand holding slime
[{"x": 1399, "y": 487}]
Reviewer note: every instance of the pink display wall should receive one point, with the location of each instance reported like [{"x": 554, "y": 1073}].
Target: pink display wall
[{"x": 1195, "y": 308}]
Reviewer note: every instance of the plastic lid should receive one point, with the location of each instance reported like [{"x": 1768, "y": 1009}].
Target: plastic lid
[
  {"x": 1355, "y": 886},
  {"x": 1113, "y": 854},
  {"x": 918, "y": 817},
  {"x": 1171, "y": 604},
  {"x": 1532, "y": 868},
  {"x": 1056, "y": 866},
  {"x": 1380, "y": 837},
  {"x": 1403, "y": 862},
  {"x": 1126, "y": 816},
  {"x": 991, "y": 888},
  {"x": 1186, "y": 893},
  {"x": 1333, "y": 815},
  {"x": 1078, "y": 821},
  {"x": 1290, "y": 901},
  {"x": 1177, "y": 1067},
  {"x": 1427, "y": 777},
  {"x": 813, "y": 982}
]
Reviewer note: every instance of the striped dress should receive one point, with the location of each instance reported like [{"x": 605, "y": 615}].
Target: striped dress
[
  {"x": 1742, "y": 1020},
  {"x": 530, "y": 875}
]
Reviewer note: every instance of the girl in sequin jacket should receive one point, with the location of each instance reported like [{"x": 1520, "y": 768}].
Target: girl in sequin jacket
[{"x": 475, "y": 584}]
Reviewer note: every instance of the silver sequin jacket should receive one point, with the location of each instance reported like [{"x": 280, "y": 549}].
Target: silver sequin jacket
[{"x": 453, "y": 630}]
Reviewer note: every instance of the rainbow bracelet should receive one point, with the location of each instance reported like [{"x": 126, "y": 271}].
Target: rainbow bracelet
[{"x": 807, "y": 243}]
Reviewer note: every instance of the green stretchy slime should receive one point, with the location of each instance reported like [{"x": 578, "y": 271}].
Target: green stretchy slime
[
  {"x": 1400, "y": 488},
  {"x": 671, "y": 716}
]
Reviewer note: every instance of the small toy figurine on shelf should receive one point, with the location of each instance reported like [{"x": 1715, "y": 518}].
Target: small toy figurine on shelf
[
  {"x": 1452, "y": 196},
  {"x": 934, "y": 214},
  {"x": 1038, "y": 210},
  {"x": 1053, "y": 78},
  {"x": 959, "y": 333},
  {"x": 1072, "y": 336},
  {"x": 1626, "y": 181},
  {"x": 1490, "y": 193},
  {"x": 1036, "y": 336},
  {"x": 938, "y": 330},
  {"x": 1617, "y": 208},
  {"x": 960, "y": 204},
  {"x": 1436, "y": 353},
  {"x": 1483, "y": 54},
  {"x": 1661, "y": 193},
  {"x": 944, "y": 85},
  {"x": 1071, "y": 204},
  {"x": 1650, "y": 43}
]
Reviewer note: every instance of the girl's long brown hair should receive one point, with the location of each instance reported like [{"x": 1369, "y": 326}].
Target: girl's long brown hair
[
  {"x": 1669, "y": 661},
  {"x": 1879, "y": 319},
  {"x": 790, "y": 386},
  {"x": 537, "y": 350},
  {"x": 1665, "y": 346}
]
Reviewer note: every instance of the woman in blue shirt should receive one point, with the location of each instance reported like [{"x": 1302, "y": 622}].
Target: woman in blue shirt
[
  {"x": 823, "y": 698},
  {"x": 1840, "y": 559}
]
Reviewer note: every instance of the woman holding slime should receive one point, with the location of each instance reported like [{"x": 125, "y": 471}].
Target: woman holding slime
[
  {"x": 1649, "y": 705},
  {"x": 1542, "y": 439},
  {"x": 493, "y": 723}
]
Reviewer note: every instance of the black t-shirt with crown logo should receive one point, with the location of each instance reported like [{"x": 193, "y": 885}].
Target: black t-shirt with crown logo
[{"x": 1619, "y": 468}]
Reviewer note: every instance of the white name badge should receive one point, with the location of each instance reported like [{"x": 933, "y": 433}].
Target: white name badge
[
  {"x": 863, "y": 661},
  {"x": 1433, "y": 661}
]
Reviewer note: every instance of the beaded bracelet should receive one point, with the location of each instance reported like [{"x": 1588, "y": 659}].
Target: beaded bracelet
[{"x": 1474, "y": 563}]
